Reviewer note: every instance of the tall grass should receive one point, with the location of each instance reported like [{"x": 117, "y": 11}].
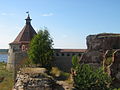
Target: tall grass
[
  {"x": 58, "y": 74},
  {"x": 6, "y": 78}
]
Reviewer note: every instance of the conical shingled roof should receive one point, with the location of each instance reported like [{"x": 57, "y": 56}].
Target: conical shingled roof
[{"x": 27, "y": 33}]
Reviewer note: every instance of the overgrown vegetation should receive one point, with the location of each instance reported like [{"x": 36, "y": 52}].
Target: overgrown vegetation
[
  {"x": 75, "y": 62},
  {"x": 88, "y": 78},
  {"x": 41, "y": 51},
  {"x": 58, "y": 74},
  {"x": 116, "y": 89},
  {"x": 108, "y": 57},
  {"x": 6, "y": 78}
]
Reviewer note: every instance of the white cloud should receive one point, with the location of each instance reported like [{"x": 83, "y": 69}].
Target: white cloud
[
  {"x": 64, "y": 36},
  {"x": 3, "y": 14},
  {"x": 10, "y": 14},
  {"x": 48, "y": 14}
]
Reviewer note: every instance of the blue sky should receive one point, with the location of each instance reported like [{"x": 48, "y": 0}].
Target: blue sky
[{"x": 68, "y": 21}]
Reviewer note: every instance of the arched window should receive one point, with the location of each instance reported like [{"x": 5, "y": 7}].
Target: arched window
[{"x": 23, "y": 48}]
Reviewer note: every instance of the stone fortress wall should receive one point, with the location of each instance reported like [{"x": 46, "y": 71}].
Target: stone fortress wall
[
  {"x": 62, "y": 60},
  {"x": 15, "y": 58}
]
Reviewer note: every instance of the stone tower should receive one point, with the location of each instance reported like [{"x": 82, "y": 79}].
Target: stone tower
[{"x": 18, "y": 48}]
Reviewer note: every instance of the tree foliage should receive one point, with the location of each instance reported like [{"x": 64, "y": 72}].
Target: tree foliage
[{"x": 41, "y": 51}]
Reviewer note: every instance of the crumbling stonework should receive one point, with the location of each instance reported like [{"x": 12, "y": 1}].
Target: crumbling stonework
[
  {"x": 111, "y": 64},
  {"x": 38, "y": 79},
  {"x": 34, "y": 79},
  {"x": 103, "y": 42},
  {"x": 108, "y": 61},
  {"x": 104, "y": 50},
  {"x": 115, "y": 68},
  {"x": 97, "y": 45}
]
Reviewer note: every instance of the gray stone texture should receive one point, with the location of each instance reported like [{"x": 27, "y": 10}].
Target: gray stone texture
[
  {"x": 104, "y": 50},
  {"x": 34, "y": 79}
]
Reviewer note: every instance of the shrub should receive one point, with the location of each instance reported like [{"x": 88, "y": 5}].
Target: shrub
[
  {"x": 116, "y": 89},
  {"x": 75, "y": 62},
  {"x": 88, "y": 78},
  {"x": 58, "y": 74}
]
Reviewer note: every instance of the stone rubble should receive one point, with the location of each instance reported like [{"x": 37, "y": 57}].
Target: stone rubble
[
  {"x": 33, "y": 81},
  {"x": 38, "y": 79}
]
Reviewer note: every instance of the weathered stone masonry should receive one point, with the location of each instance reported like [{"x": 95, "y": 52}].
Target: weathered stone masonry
[{"x": 104, "y": 50}]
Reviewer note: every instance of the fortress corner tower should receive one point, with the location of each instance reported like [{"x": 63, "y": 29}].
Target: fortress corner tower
[{"x": 18, "y": 48}]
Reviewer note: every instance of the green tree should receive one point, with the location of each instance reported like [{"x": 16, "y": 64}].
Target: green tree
[{"x": 41, "y": 51}]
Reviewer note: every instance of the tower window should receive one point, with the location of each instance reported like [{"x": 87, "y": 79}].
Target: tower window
[{"x": 23, "y": 47}]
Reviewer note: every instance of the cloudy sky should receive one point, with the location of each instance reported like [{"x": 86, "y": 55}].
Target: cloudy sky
[{"x": 68, "y": 21}]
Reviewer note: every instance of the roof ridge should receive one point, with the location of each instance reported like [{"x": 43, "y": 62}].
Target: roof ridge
[{"x": 26, "y": 34}]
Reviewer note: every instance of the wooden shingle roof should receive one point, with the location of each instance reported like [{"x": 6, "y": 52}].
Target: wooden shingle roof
[{"x": 27, "y": 33}]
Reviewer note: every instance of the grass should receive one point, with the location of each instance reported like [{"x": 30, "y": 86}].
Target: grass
[
  {"x": 116, "y": 89},
  {"x": 108, "y": 35},
  {"x": 108, "y": 61},
  {"x": 7, "y": 82},
  {"x": 58, "y": 74}
]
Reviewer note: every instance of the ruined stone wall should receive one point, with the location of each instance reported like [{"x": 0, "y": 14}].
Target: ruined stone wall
[
  {"x": 103, "y": 42},
  {"x": 34, "y": 79},
  {"x": 115, "y": 68},
  {"x": 104, "y": 50},
  {"x": 97, "y": 45}
]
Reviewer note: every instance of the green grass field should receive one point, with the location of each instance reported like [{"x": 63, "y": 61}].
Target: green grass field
[{"x": 6, "y": 78}]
